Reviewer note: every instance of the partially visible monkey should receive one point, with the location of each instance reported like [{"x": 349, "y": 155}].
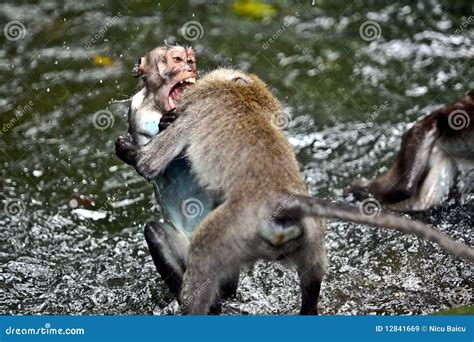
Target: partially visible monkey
[
  {"x": 426, "y": 168},
  {"x": 166, "y": 71},
  {"x": 265, "y": 212}
]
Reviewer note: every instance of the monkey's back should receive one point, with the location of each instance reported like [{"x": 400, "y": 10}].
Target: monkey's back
[{"x": 233, "y": 145}]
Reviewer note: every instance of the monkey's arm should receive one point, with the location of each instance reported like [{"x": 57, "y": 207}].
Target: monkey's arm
[{"x": 154, "y": 157}]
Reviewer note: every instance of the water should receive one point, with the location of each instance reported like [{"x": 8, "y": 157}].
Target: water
[{"x": 350, "y": 101}]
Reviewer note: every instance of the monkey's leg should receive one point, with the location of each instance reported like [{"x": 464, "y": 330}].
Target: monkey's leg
[
  {"x": 311, "y": 265},
  {"x": 401, "y": 181},
  {"x": 310, "y": 272},
  {"x": 439, "y": 181},
  {"x": 214, "y": 255},
  {"x": 229, "y": 285},
  {"x": 167, "y": 253},
  {"x": 310, "y": 283}
]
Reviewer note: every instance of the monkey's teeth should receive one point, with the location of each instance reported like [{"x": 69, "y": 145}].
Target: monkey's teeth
[
  {"x": 171, "y": 102},
  {"x": 191, "y": 80}
]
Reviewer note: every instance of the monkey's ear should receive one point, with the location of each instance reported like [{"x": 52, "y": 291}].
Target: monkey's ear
[
  {"x": 240, "y": 80},
  {"x": 138, "y": 69}
]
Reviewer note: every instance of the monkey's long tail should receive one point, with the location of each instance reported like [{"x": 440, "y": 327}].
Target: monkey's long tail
[{"x": 310, "y": 206}]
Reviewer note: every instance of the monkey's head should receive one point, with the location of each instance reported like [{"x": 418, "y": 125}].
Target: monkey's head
[
  {"x": 167, "y": 71},
  {"x": 227, "y": 85}
]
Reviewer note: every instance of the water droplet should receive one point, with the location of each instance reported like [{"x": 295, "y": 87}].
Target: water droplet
[
  {"x": 73, "y": 203},
  {"x": 37, "y": 173}
]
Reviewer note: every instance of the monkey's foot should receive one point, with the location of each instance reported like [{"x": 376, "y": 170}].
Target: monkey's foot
[{"x": 360, "y": 188}]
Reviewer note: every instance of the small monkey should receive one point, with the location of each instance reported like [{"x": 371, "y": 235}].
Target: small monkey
[
  {"x": 166, "y": 71},
  {"x": 431, "y": 153},
  {"x": 264, "y": 209}
]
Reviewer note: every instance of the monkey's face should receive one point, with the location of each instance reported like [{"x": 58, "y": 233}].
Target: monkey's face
[{"x": 167, "y": 71}]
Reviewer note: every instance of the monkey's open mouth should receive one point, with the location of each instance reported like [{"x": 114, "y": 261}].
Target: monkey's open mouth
[{"x": 177, "y": 89}]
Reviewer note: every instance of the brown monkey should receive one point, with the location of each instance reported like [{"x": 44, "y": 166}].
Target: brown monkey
[
  {"x": 166, "y": 71},
  {"x": 265, "y": 212},
  {"x": 427, "y": 164}
]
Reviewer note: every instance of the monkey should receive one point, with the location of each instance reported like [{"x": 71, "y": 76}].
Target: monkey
[
  {"x": 427, "y": 165},
  {"x": 226, "y": 130},
  {"x": 166, "y": 71}
]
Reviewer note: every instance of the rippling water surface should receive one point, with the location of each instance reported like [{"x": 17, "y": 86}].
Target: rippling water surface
[{"x": 72, "y": 214}]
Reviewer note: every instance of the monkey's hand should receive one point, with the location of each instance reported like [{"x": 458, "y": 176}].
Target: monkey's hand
[
  {"x": 126, "y": 150},
  {"x": 154, "y": 157},
  {"x": 167, "y": 119}
]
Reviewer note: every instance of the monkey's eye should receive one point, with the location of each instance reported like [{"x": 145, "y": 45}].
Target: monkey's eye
[
  {"x": 178, "y": 59},
  {"x": 190, "y": 61},
  {"x": 240, "y": 80}
]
